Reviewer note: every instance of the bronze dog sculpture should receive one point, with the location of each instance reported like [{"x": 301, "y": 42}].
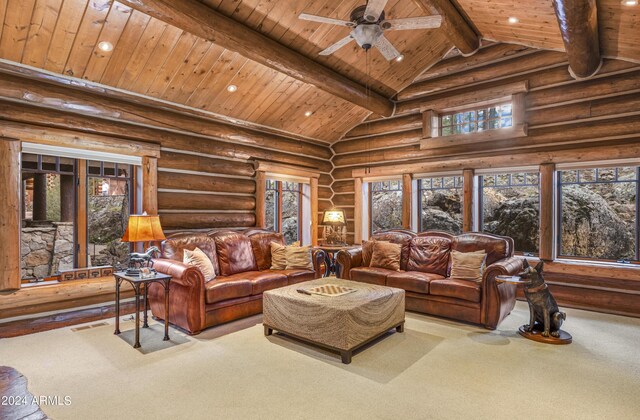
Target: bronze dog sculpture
[{"x": 544, "y": 314}]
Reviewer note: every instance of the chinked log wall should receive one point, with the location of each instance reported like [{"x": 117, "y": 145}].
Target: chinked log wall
[
  {"x": 568, "y": 120},
  {"x": 205, "y": 178}
]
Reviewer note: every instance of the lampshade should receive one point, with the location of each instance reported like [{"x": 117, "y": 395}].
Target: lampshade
[
  {"x": 334, "y": 217},
  {"x": 143, "y": 228}
]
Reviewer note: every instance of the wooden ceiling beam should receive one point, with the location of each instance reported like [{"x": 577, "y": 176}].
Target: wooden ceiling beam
[
  {"x": 458, "y": 30},
  {"x": 578, "y": 21},
  {"x": 200, "y": 20}
]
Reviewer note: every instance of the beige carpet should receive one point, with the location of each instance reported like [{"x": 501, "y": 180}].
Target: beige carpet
[{"x": 436, "y": 369}]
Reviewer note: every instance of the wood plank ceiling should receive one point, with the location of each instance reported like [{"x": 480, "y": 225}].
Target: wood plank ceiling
[
  {"x": 155, "y": 59},
  {"x": 537, "y": 27}
]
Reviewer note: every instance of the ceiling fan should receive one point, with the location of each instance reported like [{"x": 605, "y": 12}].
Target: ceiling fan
[{"x": 369, "y": 23}]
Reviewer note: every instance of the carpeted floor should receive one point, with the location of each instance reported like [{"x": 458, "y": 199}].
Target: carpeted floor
[{"x": 436, "y": 369}]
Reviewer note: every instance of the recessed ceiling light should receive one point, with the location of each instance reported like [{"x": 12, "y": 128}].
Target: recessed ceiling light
[
  {"x": 400, "y": 58},
  {"x": 629, "y": 2},
  {"x": 308, "y": 114},
  {"x": 105, "y": 46},
  {"x": 232, "y": 88},
  {"x": 512, "y": 20}
]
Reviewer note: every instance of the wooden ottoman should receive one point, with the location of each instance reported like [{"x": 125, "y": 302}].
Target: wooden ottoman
[{"x": 339, "y": 323}]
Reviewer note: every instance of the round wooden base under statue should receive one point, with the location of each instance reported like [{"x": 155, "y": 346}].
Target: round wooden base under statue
[{"x": 536, "y": 335}]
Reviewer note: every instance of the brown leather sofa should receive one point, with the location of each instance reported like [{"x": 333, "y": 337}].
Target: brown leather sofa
[
  {"x": 424, "y": 274},
  {"x": 242, "y": 262}
]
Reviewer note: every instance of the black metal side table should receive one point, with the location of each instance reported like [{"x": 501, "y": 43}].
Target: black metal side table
[{"x": 136, "y": 283}]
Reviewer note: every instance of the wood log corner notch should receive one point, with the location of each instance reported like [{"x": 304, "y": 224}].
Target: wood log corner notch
[
  {"x": 204, "y": 22},
  {"x": 578, "y": 22}
]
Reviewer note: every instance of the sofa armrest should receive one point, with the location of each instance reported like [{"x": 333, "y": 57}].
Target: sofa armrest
[
  {"x": 318, "y": 257},
  {"x": 186, "y": 295},
  {"x": 348, "y": 259},
  {"x": 498, "y": 299}
]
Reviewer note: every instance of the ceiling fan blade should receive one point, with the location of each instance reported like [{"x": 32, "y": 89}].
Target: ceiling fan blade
[
  {"x": 386, "y": 48},
  {"x": 335, "y": 47},
  {"x": 374, "y": 10},
  {"x": 323, "y": 19},
  {"x": 422, "y": 22}
]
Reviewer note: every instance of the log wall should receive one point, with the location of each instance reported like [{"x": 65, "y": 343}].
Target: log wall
[{"x": 568, "y": 121}]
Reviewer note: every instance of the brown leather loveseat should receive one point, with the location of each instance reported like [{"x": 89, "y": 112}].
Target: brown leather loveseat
[
  {"x": 424, "y": 274},
  {"x": 242, "y": 262}
]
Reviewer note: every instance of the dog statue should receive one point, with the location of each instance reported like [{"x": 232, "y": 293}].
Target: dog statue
[{"x": 543, "y": 309}]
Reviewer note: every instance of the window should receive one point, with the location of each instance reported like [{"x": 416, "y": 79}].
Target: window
[
  {"x": 50, "y": 219},
  {"x": 475, "y": 120},
  {"x": 510, "y": 206},
  {"x": 440, "y": 204},
  {"x": 385, "y": 205},
  {"x": 110, "y": 201},
  {"x": 284, "y": 209},
  {"x": 598, "y": 213},
  {"x": 48, "y": 215}
]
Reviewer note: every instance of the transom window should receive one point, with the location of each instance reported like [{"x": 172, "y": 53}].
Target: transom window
[
  {"x": 475, "y": 120},
  {"x": 284, "y": 209},
  {"x": 385, "y": 205},
  {"x": 510, "y": 206},
  {"x": 598, "y": 213},
  {"x": 440, "y": 201}
]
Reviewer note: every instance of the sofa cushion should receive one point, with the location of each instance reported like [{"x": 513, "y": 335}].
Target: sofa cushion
[
  {"x": 225, "y": 288},
  {"x": 468, "y": 265},
  {"x": 296, "y": 276},
  {"x": 278, "y": 256},
  {"x": 235, "y": 254},
  {"x": 261, "y": 245},
  {"x": 397, "y": 237},
  {"x": 299, "y": 258},
  {"x": 460, "y": 289},
  {"x": 386, "y": 255},
  {"x": 412, "y": 281},
  {"x": 264, "y": 280},
  {"x": 496, "y": 247},
  {"x": 372, "y": 275},
  {"x": 173, "y": 247},
  {"x": 429, "y": 254},
  {"x": 199, "y": 259},
  {"x": 367, "y": 252}
]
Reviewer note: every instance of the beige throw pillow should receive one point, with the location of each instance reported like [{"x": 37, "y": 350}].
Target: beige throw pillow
[
  {"x": 299, "y": 258},
  {"x": 468, "y": 265},
  {"x": 199, "y": 259},
  {"x": 386, "y": 255},
  {"x": 278, "y": 256}
]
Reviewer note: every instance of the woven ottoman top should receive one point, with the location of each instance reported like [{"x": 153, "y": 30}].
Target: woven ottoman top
[{"x": 343, "y": 321}]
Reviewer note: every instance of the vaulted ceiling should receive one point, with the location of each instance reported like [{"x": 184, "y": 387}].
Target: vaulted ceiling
[{"x": 153, "y": 58}]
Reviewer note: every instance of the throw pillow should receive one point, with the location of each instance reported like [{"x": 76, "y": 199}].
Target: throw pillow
[
  {"x": 468, "y": 265},
  {"x": 367, "y": 251},
  {"x": 299, "y": 258},
  {"x": 278, "y": 256},
  {"x": 199, "y": 259},
  {"x": 386, "y": 255}
]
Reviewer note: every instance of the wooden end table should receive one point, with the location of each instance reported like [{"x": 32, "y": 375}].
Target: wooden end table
[
  {"x": 136, "y": 283},
  {"x": 330, "y": 252}
]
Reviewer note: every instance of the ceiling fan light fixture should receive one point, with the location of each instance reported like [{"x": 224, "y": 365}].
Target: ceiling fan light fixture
[{"x": 367, "y": 35}]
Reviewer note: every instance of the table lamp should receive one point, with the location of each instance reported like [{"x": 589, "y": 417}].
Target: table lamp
[
  {"x": 142, "y": 228},
  {"x": 334, "y": 222}
]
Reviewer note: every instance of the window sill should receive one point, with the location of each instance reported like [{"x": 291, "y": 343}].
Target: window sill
[
  {"x": 518, "y": 130},
  {"x": 595, "y": 263}
]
